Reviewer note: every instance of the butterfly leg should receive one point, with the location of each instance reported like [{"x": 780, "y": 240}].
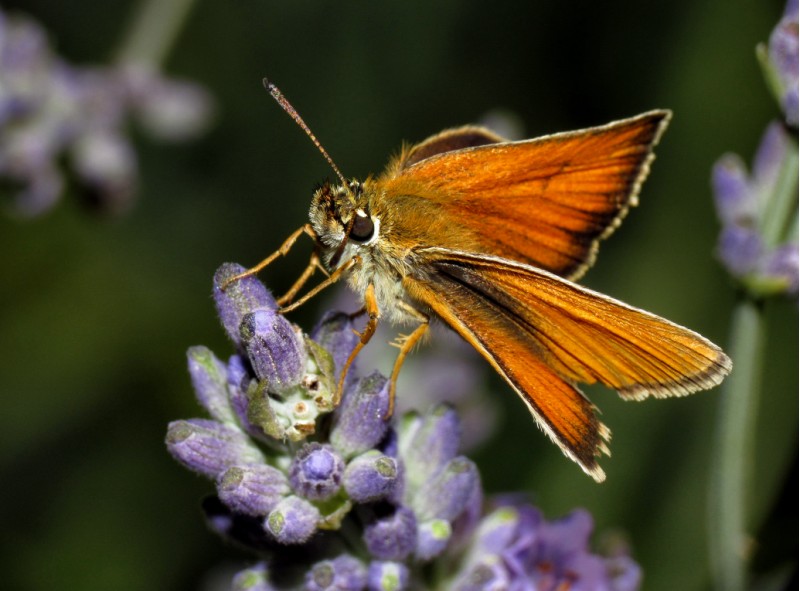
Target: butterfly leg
[
  {"x": 373, "y": 313},
  {"x": 284, "y": 248},
  {"x": 406, "y": 344},
  {"x": 313, "y": 265},
  {"x": 329, "y": 280}
]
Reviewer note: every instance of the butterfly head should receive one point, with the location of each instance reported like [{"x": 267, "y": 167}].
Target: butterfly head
[{"x": 342, "y": 221}]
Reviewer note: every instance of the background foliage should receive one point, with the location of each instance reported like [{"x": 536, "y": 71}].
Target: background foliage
[{"x": 96, "y": 313}]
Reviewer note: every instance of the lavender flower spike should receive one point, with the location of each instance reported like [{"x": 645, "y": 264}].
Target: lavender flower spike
[
  {"x": 755, "y": 244},
  {"x": 354, "y": 501},
  {"x": 54, "y": 115}
]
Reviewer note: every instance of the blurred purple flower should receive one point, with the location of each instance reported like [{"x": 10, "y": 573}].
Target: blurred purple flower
[
  {"x": 343, "y": 573},
  {"x": 50, "y": 109},
  {"x": 343, "y": 498},
  {"x": 782, "y": 61},
  {"x": 750, "y": 207},
  {"x": 516, "y": 548}
]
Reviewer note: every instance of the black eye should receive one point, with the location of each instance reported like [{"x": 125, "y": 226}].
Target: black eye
[{"x": 362, "y": 229}]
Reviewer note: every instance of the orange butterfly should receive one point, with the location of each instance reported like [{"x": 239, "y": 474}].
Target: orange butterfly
[{"x": 488, "y": 235}]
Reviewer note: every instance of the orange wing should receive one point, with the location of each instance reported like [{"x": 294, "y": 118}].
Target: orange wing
[
  {"x": 543, "y": 333},
  {"x": 546, "y": 201}
]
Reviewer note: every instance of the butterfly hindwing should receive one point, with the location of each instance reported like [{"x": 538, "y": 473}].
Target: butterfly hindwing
[{"x": 544, "y": 334}]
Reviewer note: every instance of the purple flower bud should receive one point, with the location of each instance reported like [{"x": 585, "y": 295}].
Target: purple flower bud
[
  {"x": 498, "y": 530},
  {"x": 432, "y": 538},
  {"x": 782, "y": 264},
  {"x": 210, "y": 381},
  {"x": 252, "y": 490},
  {"x": 388, "y": 576},
  {"x": 275, "y": 348},
  {"x": 740, "y": 249},
  {"x": 624, "y": 573},
  {"x": 239, "y": 378},
  {"x": 371, "y": 477},
  {"x": 783, "y": 55},
  {"x": 768, "y": 160},
  {"x": 343, "y": 573},
  {"x": 464, "y": 525},
  {"x": 446, "y": 495},
  {"x": 208, "y": 447},
  {"x": 732, "y": 195},
  {"x": 292, "y": 521},
  {"x": 239, "y": 298},
  {"x": 558, "y": 552},
  {"x": 255, "y": 578},
  {"x": 571, "y": 532},
  {"x": 316, "y": 472},
  {"x": 392, "y": 537},
  {"x": 427, "y": 443},
  {"x": 336, "y": 333},
  {"x": 359, "y": 423},
  {"x": 489, "y": 574}
]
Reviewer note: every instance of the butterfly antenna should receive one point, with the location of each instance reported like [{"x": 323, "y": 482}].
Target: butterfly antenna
[{"x": 287, "y": 106}]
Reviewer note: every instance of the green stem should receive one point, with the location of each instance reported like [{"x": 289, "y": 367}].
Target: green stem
[
  {"x": 732, "y": 460},
  {"x": 782, "y": 206},
  {"x": 152, "y": 31}
]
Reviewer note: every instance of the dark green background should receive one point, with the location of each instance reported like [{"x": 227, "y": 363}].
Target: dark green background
[{"x": 96, "y": 313}]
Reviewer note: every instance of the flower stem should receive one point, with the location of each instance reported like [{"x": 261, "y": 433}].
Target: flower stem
[
  {"x": 732, "y": 458},
  {"x": 782, "y": 210},
  {"x": 152, "y": 31}
]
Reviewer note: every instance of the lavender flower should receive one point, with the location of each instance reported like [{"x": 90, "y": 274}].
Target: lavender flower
[
  {"x": 780, "y": 64},
  {"x": 515, "y": 544},
  {"x": 343, "y": 498},
  {"x": 50, "y": 110},
  {"x": 758, "y": 243}
]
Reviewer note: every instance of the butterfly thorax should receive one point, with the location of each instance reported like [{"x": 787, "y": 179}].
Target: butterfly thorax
[{"x": 357, "y": 221}]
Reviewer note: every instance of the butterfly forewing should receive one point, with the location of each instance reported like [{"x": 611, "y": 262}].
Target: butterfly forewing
[{"x": 546, "y": 202}]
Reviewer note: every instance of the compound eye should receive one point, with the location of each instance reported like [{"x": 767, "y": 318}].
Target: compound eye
[{"x": 363, "y": 228}]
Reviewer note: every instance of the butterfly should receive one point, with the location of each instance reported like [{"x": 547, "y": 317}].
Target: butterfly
[{"x": 489, "y": 236}]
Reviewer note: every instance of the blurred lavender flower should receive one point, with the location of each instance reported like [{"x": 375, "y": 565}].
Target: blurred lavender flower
[
  {"x": 758, "y": 242},
  {"x": 515, "y": 548},
  {"x": 342, "y": 498},
  {"x": 780, "y": 64},
  {"x": 52, "y": 111}
]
